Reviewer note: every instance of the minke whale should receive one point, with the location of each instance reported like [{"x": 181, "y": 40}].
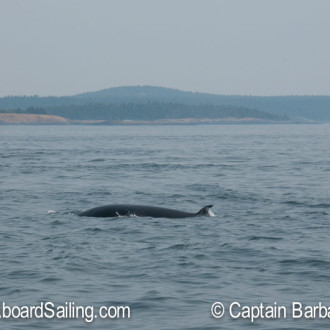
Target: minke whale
[{"x": 118, "y": 210}]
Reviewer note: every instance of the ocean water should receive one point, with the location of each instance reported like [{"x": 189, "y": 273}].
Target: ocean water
[{"x": 268, "y": 243}]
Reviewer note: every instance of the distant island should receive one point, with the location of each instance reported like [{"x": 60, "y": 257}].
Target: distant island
[
  {"x": 38, "y": 119},
  {"x": 134, "y": 105}
]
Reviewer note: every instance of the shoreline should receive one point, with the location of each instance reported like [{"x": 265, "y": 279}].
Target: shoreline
[{"x": 41, "y": 119}]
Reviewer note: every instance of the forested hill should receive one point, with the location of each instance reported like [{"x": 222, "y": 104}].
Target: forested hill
[
  {"x": 151, "y": 111},
  {"x": 155, "y": 111},
  {"x": 309, "y": 107}
]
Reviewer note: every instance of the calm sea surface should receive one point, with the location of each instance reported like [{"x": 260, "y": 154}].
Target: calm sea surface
[{"x": 269, "y": 242}]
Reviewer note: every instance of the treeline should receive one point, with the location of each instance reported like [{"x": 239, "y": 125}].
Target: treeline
[
  {"x": 25, "y": 102},
  {"x": 148, "y": 111},
  {"x": 122, "y": 100},
  {"x": 30, "y": 110},
  {"x": 155, "y": 111}
]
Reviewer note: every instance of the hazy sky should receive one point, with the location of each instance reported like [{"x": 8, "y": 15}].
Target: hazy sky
[{"x": 255, "y": 47}]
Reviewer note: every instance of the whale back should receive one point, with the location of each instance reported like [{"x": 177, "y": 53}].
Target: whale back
[{"x": 116, "y": 210}]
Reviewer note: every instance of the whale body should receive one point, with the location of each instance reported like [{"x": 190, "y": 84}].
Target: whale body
[{"x": 117, "y": 210}]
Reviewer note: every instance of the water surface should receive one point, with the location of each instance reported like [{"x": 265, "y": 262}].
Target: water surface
[{"x": 269, "y": 241}]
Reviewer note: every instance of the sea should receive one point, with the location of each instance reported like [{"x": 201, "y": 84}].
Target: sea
[{"x": 262, "y": 261}]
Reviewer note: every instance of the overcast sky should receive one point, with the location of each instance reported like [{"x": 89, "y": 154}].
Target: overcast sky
[{"x": 250, "y": 47}]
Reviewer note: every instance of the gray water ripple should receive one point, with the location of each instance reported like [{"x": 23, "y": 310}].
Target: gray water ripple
[{"x": 268, "y": 242}]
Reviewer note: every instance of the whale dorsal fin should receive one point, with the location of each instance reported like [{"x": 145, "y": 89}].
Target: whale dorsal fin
[{"x": 204, "y": 210}]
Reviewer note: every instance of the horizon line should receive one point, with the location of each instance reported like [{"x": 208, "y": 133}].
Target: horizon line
[{"x": 162, "y": 87}]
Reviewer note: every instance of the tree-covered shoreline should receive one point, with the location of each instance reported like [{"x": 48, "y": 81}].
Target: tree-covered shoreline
[
  {"x": 151, "y": 103},
  {"x": 147, "y": 111}
]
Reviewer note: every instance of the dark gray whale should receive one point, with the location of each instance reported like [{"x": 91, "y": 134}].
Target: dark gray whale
[{"x": 116, "y": 210}]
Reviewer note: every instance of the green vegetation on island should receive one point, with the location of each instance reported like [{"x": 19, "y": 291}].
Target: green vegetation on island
[{"x": 148, "y": 103}]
